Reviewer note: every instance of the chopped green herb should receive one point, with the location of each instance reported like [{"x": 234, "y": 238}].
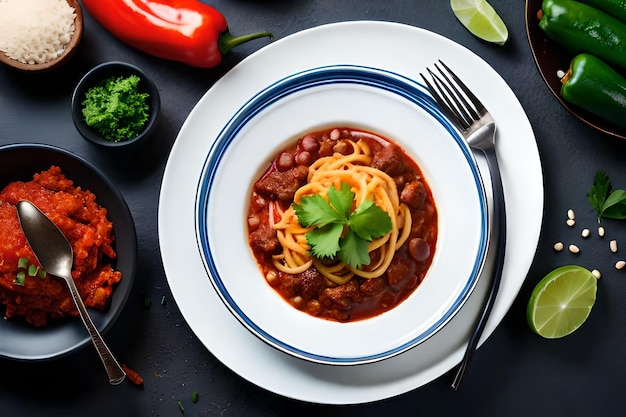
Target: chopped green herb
[
  {"x": 147, "y": 302},
  {"x": 116, "y": 109},
  {"x": 27, "y": 268},
  {"x": 338, "y": 231},
  {"x": 163, "y": 301},
  {"x": 20, "y": 278},
  {"x": 608, "y": 203},
  {"x": 195, "y": 397},
  {"x": 181, "y": 407},
  {"x": 41, "y": 273}
]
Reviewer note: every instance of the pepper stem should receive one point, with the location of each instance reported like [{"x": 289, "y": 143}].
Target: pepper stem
[
  {"x": 228, "y": 41},
  {"x": 566, "y": 77}
]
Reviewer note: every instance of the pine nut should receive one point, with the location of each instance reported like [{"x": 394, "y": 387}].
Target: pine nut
[
  {"x": 574, "y": 249},
  {"x": 596, "y": 273},
  {"x": 600, "y": 231},
  {"x": 558, "y": 246},
  {"x": 620, "y": 264},
  {"x": 570, "y": 214},
  {"x": 570, "y": 222},
  {"x": 613, "y": 246},
  {"x": 585, "y": 233}
]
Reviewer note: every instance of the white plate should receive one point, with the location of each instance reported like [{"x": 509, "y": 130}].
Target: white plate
[
  {"x": 352, "y": 43},
  {"x": 363, "y": 98}
]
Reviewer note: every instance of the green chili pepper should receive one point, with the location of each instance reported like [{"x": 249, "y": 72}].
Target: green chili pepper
[
  {"x": 593, "y": 85},
  {"x": 616, "y": 8},
  {"x": 582, "y": 28}
]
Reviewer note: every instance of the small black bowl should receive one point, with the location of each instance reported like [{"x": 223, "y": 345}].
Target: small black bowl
[
  {"x": 20, "y": 341},
  {"x": 103, "y": 72}
]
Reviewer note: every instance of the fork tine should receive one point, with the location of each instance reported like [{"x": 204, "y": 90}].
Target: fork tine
[
  {"x": 454, "y": 98},
  {"x": 443, "y": 101},
  {"x": 456, "y": 92},
  {"x": 477, "y": 103}
]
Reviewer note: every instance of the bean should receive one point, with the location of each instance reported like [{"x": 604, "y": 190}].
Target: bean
[
  {"x": 309, "y": 143},
  {"x": 596, "y": 273},
  {"x": 585, "y": 233},
  {"x": 574, "y": 249},
  {"x": 285, "y": 161},
  {"x": 620, "y": 264},
  {"x": 570, "y": 222},
  {"x": 419, "y": 249},
  {"x": 304, "y": 158},
  {"x": 570, "y": 214},
  {"x": 558, "y": 246},
  {"x": 600, "y": 231},
  {"x": 271, "y": 276},
  {"x": 253, "y": 223},
  {"x": 613, "y": 246}
]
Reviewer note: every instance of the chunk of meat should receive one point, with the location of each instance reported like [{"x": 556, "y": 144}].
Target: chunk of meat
[
  {"x": 277, "y": 185},
  {"x": 390, "y": 160},
  {"x": 307, "y": 284},
  {"x": 414, "y": 194},
  {"x": 401, "y": 271},
  {"x": 264, "y": 239}
]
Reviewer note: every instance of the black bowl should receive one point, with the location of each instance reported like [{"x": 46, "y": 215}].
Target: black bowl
[
  {"x": 103, "y": 72},
  {"x": 21, "y": 341}
]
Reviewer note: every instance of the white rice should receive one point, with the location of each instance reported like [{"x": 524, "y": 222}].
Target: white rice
[{"x": 35, "y": 31}]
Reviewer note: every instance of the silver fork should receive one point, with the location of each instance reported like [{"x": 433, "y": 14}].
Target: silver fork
[{"x": 479, "y": 130}]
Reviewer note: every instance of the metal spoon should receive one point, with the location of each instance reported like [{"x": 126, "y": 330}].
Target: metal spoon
[{"x": 55, "y": 255}]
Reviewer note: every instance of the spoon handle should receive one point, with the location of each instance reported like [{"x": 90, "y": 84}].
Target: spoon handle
[{"x": 113, "y": 368}]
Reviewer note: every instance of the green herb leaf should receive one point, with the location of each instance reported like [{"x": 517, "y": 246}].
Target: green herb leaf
[
  {"x": 313, "y": 210},
  {"x": 341, "y": 200},
  {"x": 615, "y": 205},
  {"x": 324, "y": 241},
  {"x": 370, "y": 221},
  {"x": 354, "y": 250},
  {"x": 599, "y": 191},
  {"x": 338, "y": 232},
  {"x": 607, "y": 203}
]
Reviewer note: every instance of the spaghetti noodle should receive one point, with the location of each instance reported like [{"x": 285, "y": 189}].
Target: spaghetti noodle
[{"x": 367, "y": 183}]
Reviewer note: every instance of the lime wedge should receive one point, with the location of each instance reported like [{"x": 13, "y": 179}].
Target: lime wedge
[
  {"x": 562, "y": 301},
  {"x": 480, "y": 18}
]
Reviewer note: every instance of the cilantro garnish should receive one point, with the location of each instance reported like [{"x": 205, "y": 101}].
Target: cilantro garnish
[
  {"x": 339, "y": 231},
  {"x": 608, "y": 203}
]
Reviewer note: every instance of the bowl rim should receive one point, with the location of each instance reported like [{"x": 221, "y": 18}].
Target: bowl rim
[
  {"x": 126, "y": 247},
  {"x": 100, "y": 72},
  {"x": 296, "y": 82},
  {"x": 70, "y": 48}
]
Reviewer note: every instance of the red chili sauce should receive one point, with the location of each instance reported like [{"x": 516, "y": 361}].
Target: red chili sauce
[
  {"x": 84, "y": 223},
  {"x": 310, "y": 291}
]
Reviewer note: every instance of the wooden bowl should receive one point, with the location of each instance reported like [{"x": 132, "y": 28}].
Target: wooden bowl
[{"x": 61, "y": 59}]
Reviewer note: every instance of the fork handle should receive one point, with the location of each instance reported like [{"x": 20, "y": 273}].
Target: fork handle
[{"x": 499, "y": 245}]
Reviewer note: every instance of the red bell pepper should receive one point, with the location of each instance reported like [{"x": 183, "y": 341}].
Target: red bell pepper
[{"x": 187, "y": 31}]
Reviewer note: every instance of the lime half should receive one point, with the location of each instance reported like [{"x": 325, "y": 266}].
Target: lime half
[
  {"x": 480, "y": 18},
  {"x": 562, "y": 301}
]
